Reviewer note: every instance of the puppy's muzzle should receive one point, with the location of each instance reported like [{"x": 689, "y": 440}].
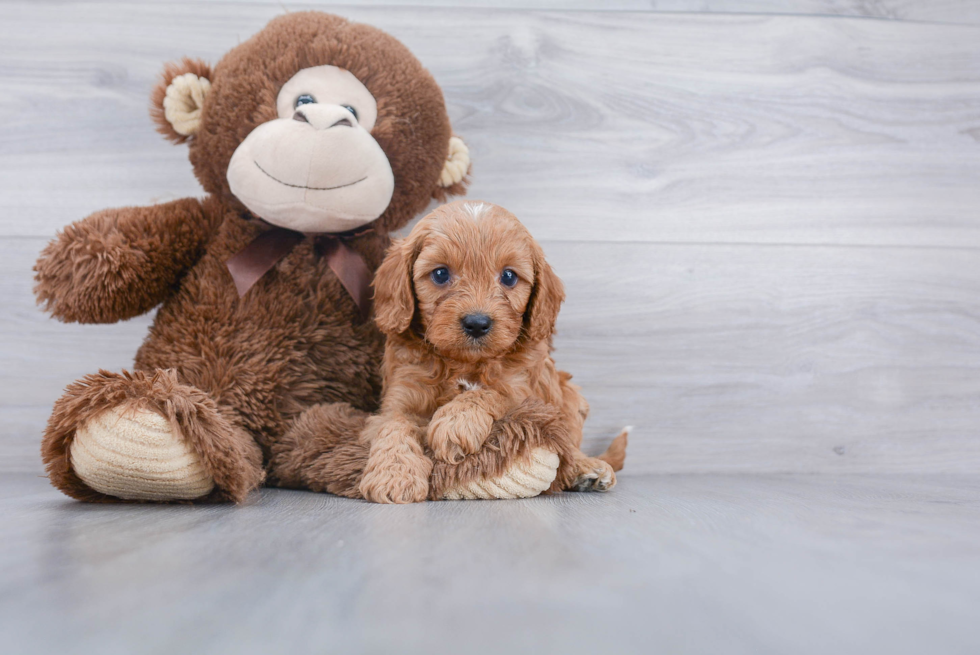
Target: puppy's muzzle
[{"x": 476, "y": 325}]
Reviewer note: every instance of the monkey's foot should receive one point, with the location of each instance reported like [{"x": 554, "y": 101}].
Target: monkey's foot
[
  {"x": 134, "y": 453},
  {"x": 524, "y": 479}
]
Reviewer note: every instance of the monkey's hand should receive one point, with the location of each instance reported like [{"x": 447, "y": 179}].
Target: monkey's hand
[{"x": 119, "y": 263}]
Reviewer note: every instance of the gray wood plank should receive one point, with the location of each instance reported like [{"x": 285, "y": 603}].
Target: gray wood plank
[
  {"x": 942, "y": 11},
  {"x": 718, "y": 139},
  {"x": 724, "y": 357},
  {"x": 591, "y": 125},
  {"x": 671, "y": 564}
]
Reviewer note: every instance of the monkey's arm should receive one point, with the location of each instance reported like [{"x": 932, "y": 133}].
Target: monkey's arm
[{"x": 120, "y": 263}]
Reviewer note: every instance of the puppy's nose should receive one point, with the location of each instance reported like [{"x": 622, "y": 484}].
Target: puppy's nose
[{"x": 476, "y": 325}]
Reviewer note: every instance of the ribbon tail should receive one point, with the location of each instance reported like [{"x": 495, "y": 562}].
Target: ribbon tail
[
  {"x": 257, "y": 258},
  {"x": 352, "y": 271}
]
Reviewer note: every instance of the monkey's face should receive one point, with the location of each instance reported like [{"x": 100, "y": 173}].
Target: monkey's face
[
  {"x": 315, "y": 168},
  {"x": 309, "y": 123}
]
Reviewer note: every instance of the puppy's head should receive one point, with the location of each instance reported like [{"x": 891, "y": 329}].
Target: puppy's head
[{"x": 471, "y": 281}]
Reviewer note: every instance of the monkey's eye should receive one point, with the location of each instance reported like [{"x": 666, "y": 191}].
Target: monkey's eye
[
  {"x": 508, "y": 278},
  {"x": 351, "y": 110},
  {"x": 305, "y": 99},
  {"x": 440, "y": 276}
]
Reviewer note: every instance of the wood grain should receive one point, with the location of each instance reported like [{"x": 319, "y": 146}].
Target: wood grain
[
  {"x": 672, "y": 564},
  {"x": 602, "y": 125},
  {"x": 958, "y": 12},
  {"x": 724, "y": 357},
  {"x": 767, "y": 224}
]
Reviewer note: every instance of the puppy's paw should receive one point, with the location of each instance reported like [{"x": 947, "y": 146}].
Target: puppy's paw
[
  {"x": 456, "y": 432},
  {"x": 594, "y": 475},
  {"x": 396, "y": 480},
  {"x": 393, "y": 487}
]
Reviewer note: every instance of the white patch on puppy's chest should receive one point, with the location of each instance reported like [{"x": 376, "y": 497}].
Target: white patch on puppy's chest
[{"x": 466, "y": 385}]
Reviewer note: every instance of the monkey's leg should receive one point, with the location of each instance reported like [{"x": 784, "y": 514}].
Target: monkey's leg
[
  {"x": 519, "y": 459},
  {"x": 143, "y": 436},
  {"x": 322, "y": 451}
]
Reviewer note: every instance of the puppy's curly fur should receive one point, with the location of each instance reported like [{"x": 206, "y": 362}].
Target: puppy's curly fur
[{"x": 469, "y": 304}]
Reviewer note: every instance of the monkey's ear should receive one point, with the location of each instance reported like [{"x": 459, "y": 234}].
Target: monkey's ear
[
  {"x": 453, "y": 178},
  {"x": 546, "y": 298},
  {"x": 178, "y": 98},
  {"x": 394, "y": 299}
]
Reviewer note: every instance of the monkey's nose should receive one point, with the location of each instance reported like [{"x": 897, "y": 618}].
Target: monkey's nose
[
  {"x": 476, "y": 325},
  {"x": 324, "y": 117}
]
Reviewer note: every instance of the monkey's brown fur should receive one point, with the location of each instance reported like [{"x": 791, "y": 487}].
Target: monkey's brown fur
[{"x": 242, "y": 378}]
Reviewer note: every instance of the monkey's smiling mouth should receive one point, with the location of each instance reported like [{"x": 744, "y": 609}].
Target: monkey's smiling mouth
[{"x": 311, "y": 188}]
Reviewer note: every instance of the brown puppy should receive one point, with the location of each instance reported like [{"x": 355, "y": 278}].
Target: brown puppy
[{"x": 469, "y": 306}]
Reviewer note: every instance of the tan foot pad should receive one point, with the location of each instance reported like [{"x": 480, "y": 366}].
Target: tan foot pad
[
  {"x": 133, "y": 454},
  {"x": 523, "y": 480}
]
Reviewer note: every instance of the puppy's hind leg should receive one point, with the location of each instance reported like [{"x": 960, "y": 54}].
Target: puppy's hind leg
[
  {"x": 599, "y": 473},
  {"x": 593, "y": 474}
]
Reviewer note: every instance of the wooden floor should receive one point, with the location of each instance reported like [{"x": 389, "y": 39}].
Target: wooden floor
[
  {"x": 767, "y": 216},
  {"x": 664, "y": 564}
]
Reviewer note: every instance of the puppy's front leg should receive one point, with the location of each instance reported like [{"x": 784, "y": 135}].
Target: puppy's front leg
[
  {"x": 397, "y": 469},
  {"x": 460, "y": 427}
]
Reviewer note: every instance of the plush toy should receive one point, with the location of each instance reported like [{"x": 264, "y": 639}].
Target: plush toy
[{"x": 313, "y": 140}]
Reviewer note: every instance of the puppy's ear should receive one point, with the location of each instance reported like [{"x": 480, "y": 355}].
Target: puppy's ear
[
  {"x": 545, "y": 301},
  {"x": 394, "y": 299},
  {"x": 178, "y": 98}
]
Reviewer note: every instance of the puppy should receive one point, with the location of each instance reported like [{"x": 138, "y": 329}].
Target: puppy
[{"x": 468, "y": 304}]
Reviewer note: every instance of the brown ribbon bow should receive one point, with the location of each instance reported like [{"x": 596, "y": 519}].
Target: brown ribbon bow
[{"x": 269, "y": 248}]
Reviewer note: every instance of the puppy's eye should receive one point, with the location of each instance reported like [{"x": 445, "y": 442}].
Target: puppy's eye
[
  {"x": 440, "y": 276},
  {"x": 351, "y": 110},
  {"x": 305, "y": 99},
  {"x": 508, "y": 278}
]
